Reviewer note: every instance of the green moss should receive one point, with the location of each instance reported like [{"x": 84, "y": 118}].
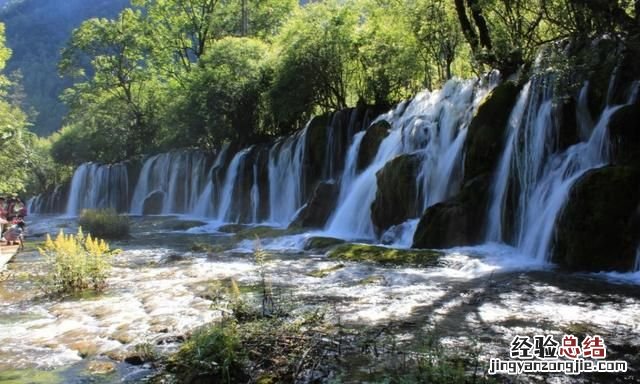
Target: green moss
[
  {"x": 263, "y": 232},
  {"x": 383, "y": 255},
  {"x": 320, "y": 243},
  {"x": 323, "y": 272}
]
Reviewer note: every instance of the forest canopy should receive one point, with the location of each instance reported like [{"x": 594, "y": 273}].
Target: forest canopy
[{"x": 167, "y": 74}]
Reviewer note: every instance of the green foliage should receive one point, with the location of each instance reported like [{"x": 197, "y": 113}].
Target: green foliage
[
  {"x": 212, "y": 352},
  {"x": 36, "y": 32},
  {"x": 104, "y": 223},
  {"x": 15, "y": 141},
  {"x": 221, "y": 100},
  {"x": 384, "y": 255},
  {"x": 316, "y": 62},
  {"x": 170, "y": 73},
  {"x": 75, "y": 263}
]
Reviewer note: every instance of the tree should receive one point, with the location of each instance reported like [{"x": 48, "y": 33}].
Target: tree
[
  {"x": 316, "y": 62},
  {"x": 223, "y": 94},
  {"x": 121, "y": 81},
  {"x": 14, "y": 137}
]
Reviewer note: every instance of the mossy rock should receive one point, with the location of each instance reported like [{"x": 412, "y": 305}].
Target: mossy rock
[
  {"x": 457, "y": 221},
  {"x": 319, "y": 207},
  {"x": 263, "y": 232},
  {"x": 182, "y": 225},
  {"x": 625, "y": 135},
  {"x": 397, "y": 193},
  {"x": 598, "y": 228},
  {"x": 370, "y": 144},
  {"x": 321, "y": 243},
  {"x": 486, "y": 132},
  {"x": 315, "y": 151},
  {"x": 384, "y": 255}
]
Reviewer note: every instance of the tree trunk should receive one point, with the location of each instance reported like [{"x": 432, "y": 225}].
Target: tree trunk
[
  {"x": 465, "y": 24},
  {"x": 481, "y": 23}
]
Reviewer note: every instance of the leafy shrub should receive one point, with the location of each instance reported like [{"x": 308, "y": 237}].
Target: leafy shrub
[
  {"x": 75, "y": 263},
  {"x": 104, "y": 223}
]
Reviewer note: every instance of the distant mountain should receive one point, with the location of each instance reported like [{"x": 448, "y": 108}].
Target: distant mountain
[{"x": 36, "y": 32}]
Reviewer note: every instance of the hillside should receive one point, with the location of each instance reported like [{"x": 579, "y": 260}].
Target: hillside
[{"x": 36, "y": 31}]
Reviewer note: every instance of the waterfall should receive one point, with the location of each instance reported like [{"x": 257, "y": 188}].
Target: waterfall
[
  {"x": 178, "y": 177},
  {"x": 433, "y": 124},
  {"x": 225, "y": 209},
  {"x": 286, "y": 178},
  {"x": 255, "y": 194},
  {"x": 543, "y": 175},
  {"x": 98, "y": 186},
  {"x": 206, "y": 203},
  {"x": 349, "y": 172}
]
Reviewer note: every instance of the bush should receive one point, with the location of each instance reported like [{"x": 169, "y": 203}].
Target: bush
[
  {"x": 104, "y": 223},
  {"x": 75, "y": 263}
]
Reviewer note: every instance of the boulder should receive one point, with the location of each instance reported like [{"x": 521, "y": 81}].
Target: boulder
[
  {"x": 396, "y": 197},
  {"x": 457, "y": 221},
  {"x": 319, "y": 243},
  {"x": 371, "y": 142},
  {"x": 318, "y": 209},
  {"x": 598, "y": 228},
  {"x": 315, "y": 151},
  {"x": 153, "y": 203},
  {"x": 486, "y": 132},
  {"x": 625, "y": 135}
]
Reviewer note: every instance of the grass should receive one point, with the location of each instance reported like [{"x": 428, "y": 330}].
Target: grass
[
  {"x": 104, "y": 223},
  {"x": 383, "y": 255}
]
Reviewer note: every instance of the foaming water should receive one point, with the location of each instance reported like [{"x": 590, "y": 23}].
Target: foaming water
[
  {"x": 541, "y": 172},
  {"x": 432, "y": 125}
]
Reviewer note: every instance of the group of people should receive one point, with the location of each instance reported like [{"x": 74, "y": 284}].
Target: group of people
[{"x": 12, "y": 213}]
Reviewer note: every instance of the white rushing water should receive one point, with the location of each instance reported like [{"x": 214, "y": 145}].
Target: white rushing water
[
  {"x": 286, "y": 178},
  {"x": 225, "y": 209},
  {"x": 433, "y": 125},
  {"x": 179, "y": 177},
  {"x": 543, "y": 173},
  {"x": 206, "y": 204},
  {"x": 98, "y": 186}
]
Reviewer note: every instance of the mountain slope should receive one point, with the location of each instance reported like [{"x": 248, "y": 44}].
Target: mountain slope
[{"x": 36, "y": 32}]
